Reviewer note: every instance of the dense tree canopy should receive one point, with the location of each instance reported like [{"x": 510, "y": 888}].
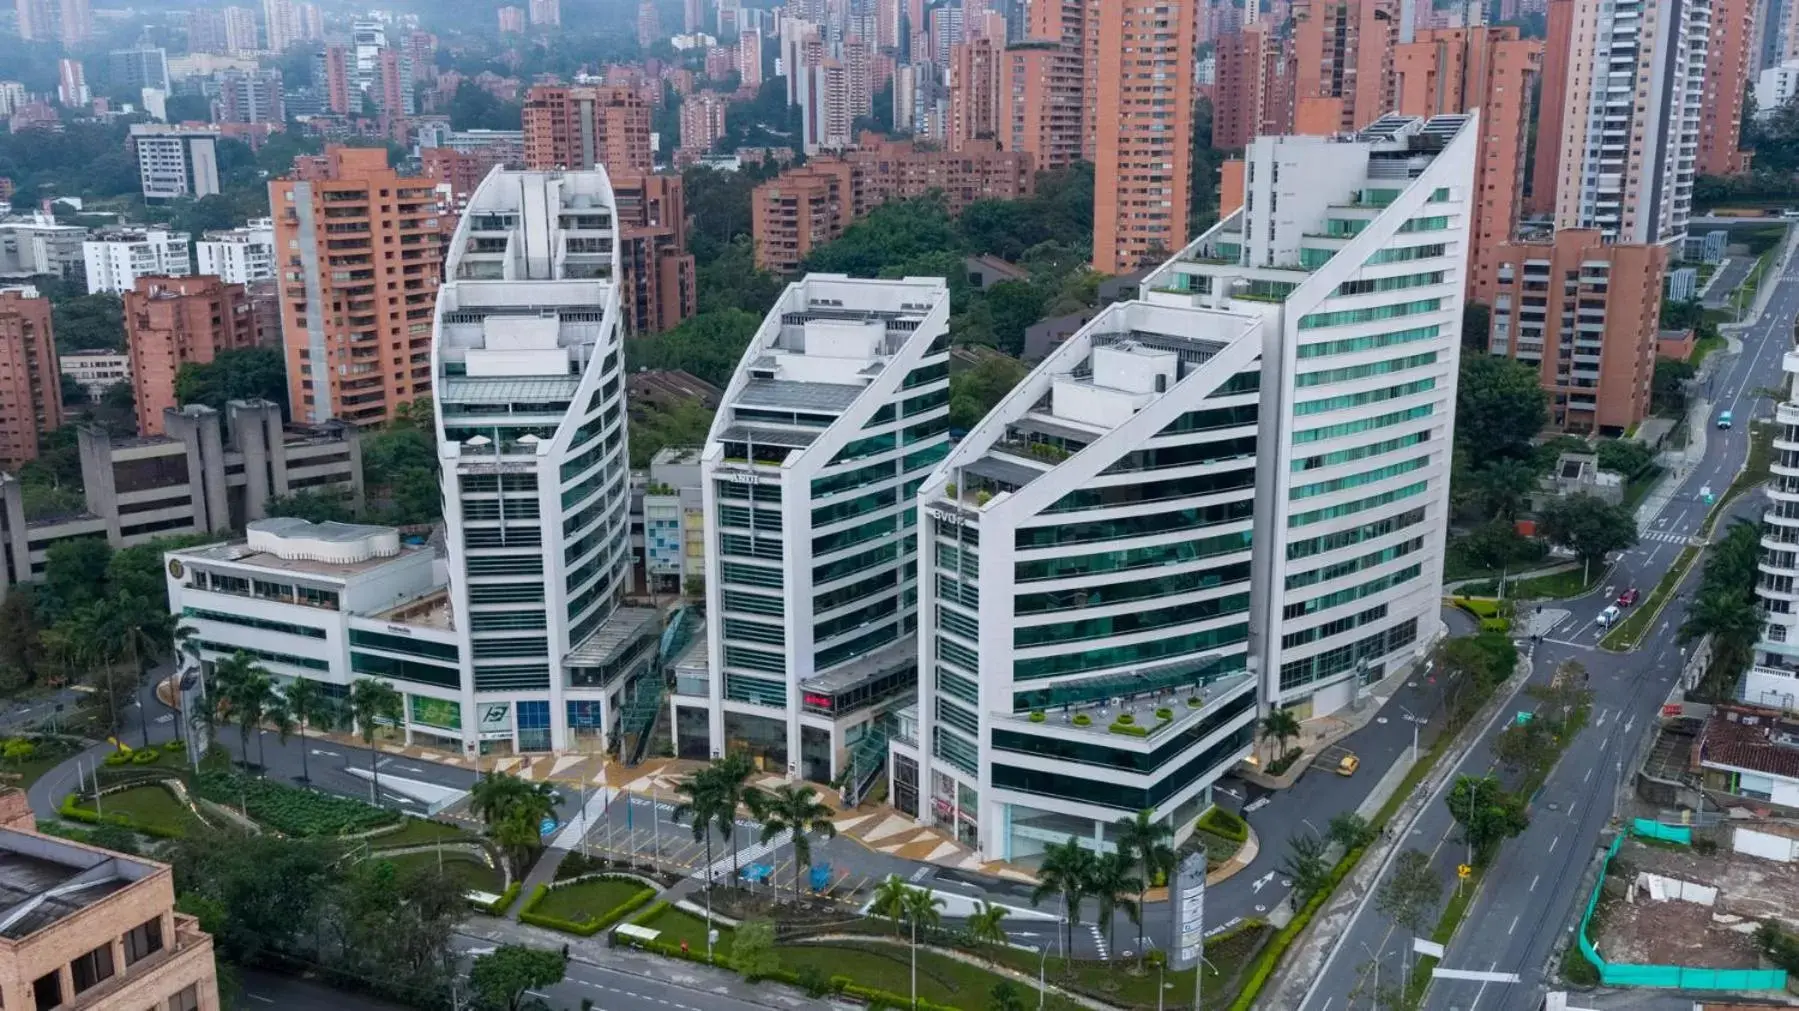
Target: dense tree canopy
[
  {"x": 1500, "y": 407},
  {"x": 235, "y": 374},
  {"x": 708, "y": 345}
]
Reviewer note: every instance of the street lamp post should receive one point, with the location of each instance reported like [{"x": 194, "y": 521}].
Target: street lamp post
[{"x": 1413, "y": 720}]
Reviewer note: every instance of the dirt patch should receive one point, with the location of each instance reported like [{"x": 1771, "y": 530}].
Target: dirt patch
[
  {"x": 1747, "y": 886},
  {"x": 1672, "y": 933}
]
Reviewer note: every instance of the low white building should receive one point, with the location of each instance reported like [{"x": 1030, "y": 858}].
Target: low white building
[
  {"x": 175, "y": 161},
  {"x": 116, "y": 259},
  {"x": 328, "y": 602},
  {"x": 1775, "y": 87},
  {"x": 95, "y": 370},
  {"x": 239, "y": 255},
  {"x": 35, "y": 244}
]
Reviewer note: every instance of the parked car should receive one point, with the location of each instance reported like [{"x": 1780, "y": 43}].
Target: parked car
[{"x": 1628, "y": 597}]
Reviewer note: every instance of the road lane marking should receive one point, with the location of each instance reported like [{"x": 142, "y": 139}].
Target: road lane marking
[
  {"x": 1534, "y": 880},
  {"x": 1588, "y": 776},
  {"x": 1552, "y": 843},
  {"x": 1514, "y": 925}
]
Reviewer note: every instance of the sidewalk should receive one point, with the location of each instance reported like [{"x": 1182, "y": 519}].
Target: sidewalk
[{"x": 1321, "y": 732}]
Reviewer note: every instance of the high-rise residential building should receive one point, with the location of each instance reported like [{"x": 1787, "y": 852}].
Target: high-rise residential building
[
  {"x": 1625, "y": 153},
  {"x": 280, "y": 24},
  {"x": 250, "y": 97},
  {"x": 1552, "y": 91},
  {"x": 839, "y": 407},
  {"x": 1585, "y": 312},
  {"x": 71, "y": 83},
  {"x": 176, "y": 161},
  {"x": 1729, "y": 69},
  {"x": 1041, "y": 102},
  {"x": 331, "y": 76},
  {"x": 36, "y": 19},
  {"x": 1490, "y": 71},
  {"x": 135, "y": 69},
  {"x": 1352, "y": 252},
  {"x": 240, "y": 31},
  {"x": 656, "y": 281},
  {"x": 463, "y": 158},
  {"x": 537, "y": 502},
  {"x": 30, "y": 376},
  {"x": 702, "y": 121},
  {"x": 206, "y": 30},
  {"x": 69, "y": 22},
  {"x": 976, "y": 83},
  {"x": 392, "y": 89},
  {"x": 825, "y": 114},
  {"x": 512, "y": 20},
  {"x": 749, "y": 59},
  {"x": 546, "y": 12},
  {"x": 239, "y": 255},
  {"x": 13, "y": 96},
  {"x": 115, "y": 259},
  {"x": 1342, "y": 63},
  {"x": 693, "y": 15},
  {"x": 584, "y": 126},
  {"x": 74, "y": 22},
  {"x": 799, "y": 210},
  {"x": 1145, "y": 150},
  {"x": 649, "y": 23},
  {"x": 1252, "y": 94},
  {"x": 174, "y": 321},
  {"x": 1773, "y": 680},
  {"x": 358, "y": 249},
  {"x": 93, "y": 927}
]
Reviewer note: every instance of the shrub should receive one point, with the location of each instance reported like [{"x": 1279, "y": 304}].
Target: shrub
[
  {"x": 1221, "y": 822},
  {"x": 585, "y": 928},
  {"x": 1500, "y": 625},
  {"x": 175, "y": 747},
  {"x": 289, "y": 809},
  {"x": 1037, "y": 716},
  {"x": 499, "y": 906},
  {"x": 1126, "y": 718},
  {"x": 813, "y": 980},
  {"x": 1164, "y": 713},
  {"x": 1082, "y": 720},
  {"x": 118, "y": 758},
  {"x": 146, "y": 757},
  {"x": 1194, "y": 702},
  {"x": 1285, "y": 762},
  {"x": 1129, "y": 729}
]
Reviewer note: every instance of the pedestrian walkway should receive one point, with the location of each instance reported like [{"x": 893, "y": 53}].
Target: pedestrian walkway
[{"x": 1665, "y": 537}]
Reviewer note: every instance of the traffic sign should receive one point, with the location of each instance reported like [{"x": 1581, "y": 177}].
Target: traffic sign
[{"x": 1463, "y": 871}]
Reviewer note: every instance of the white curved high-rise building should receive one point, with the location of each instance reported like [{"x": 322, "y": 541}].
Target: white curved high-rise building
[
  {"x": 1774, "y": 678},
  {"x": 527, "y": 364}
]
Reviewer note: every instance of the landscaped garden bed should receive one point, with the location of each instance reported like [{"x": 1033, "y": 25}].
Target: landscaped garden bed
[
  {"x": 290, "y": 810},
  {"x": 151, "y": 809},
  {"x": 467, "y": 869},
  {"x": 588, "y": 906}
]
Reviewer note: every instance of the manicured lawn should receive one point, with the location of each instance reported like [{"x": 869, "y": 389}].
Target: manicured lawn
[
  {"x": 588, "y": 900},
  {"x": 470, "y": 872},
  {"x": 678, "y": 925},
  {"x": 1556, "y": 585},
  {"x": 150, "y": 807},
  {"x": 1118, "y": 983},
  {"x": 417, "y": 832},
  {"x": 49, "y": 755},
  {"x": 941, "y": 979}
]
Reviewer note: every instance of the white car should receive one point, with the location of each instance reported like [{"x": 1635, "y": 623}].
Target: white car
[{"x": 1608, "y": 616}]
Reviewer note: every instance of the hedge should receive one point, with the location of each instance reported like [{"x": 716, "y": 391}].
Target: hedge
[
  {"x": 656, "y": 909},
  {"x": 1129, "y": 729},
  {"x": 499, "y": 906},
  {"x": 1271, "y": 955},
  {"x": 1221, "y": 822},
  {"x": 839, "y": 984},
  {"x": 586, "y": 928}
]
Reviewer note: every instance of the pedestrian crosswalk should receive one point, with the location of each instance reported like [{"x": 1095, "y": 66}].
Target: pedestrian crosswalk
[
  {"x": 1664, "y": 536},
  {"x": 744, "y": 858}
]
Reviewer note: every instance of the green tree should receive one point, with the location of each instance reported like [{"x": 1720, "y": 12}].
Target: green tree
[
  {"x": 975, "y": 390},
  {"x": 1477, "y": 324},
  {"x": 504, "y": 975},
  {"x": 923, "y": 909},
  {"x": 1304, "y": 864},
  {"x": 986, "y": 924},
  {"x": 1500, "y": 407},
  {"x": 797, "y": 810},
  {"x": 1066, "y": 871},
  {"x": 1527, "y": 745},
  {"x": 1146, "y": 841},
  {"x": 88, "y": 322},
  {"x": 1668, "y": 387},
  {"x": 1005, "y": 996},
  {"x": 249, "y": 692},
  {"x": 74, "y": 575},
  {"x": 1625, "y": 456},
  {"x": 235, "y": 374},
  {"x": 733, "y": 774},
  {"x": 890, "y": 899},
  {"x": 512, "y": 809},
  {"x": 1350, "y": 830},
  {"x": 709, "y": 345},
  {"x": 1114, "y": 887},
  {"x": 402, "y": 455},
  {"x": 654, "y": 429},
  {"x": 22, "y": 650},
  {"x": 473, "y": 108},
  {"x": 753, "y": 950},
  {"x": 1503, "y": 485},
  {"x": 702, "y": 803},
  {"x": 1497, "y": 544},
  {"x": 1410, "y": 894},
  {"x": 1588, "y": 526},
  {"x": 371, "y": 703},
  {"x": 1281, "y": 726},
  {"x": 307, "y": 701},
  {"x": 1487, "y": 813}
]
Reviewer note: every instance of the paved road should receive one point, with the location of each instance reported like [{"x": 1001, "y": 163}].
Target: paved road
[
  {"x": 1530, "y": 894},
  {"x": 1726, "y": 281}
]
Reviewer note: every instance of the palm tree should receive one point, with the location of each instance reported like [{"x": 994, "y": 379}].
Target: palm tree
[
  {"x": 1281, "y": 725},
  {"x": 307, "y": 701},
  {"x": 701, "y": 805},
  {"x": 1730, "y": 618},
  {"x": 795, "y": 809},
  {"x": 241, "y": 683},
  {"x": 1146, "y": 842},
  {"x": 890, "y": 899},
  {"x": 144, "y": 629},
  {"x": 370, "y": 701},
  {"x": 732, "y": 780},
  {"x": 984, "y": 925},
  {"x": 279, "y": 716},
  {"x": 1067, "y": 870},
  {"x": 921, "y": 906},
  {"x": 1113, "y": 884},
  {"x": 512, "y": 809}
]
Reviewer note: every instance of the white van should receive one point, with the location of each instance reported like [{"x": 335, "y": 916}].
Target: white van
[{"x": 1608, "y": 616}]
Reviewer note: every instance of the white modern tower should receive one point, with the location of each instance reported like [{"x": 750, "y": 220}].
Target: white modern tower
[
  {"x": 1086, "y": 607},
  {"x": 1774, "y": 678},
  {"x": 1630, "y": 130},
  {"x": 1353, "y": 252},
  {"x": 531, "y": 424},
  {"x": 838, "y": 410}
]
